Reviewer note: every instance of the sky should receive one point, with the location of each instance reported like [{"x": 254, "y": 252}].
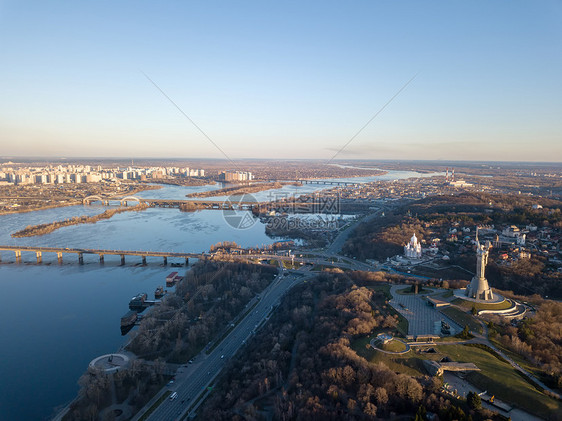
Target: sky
[{"x": 291, "y": 79}]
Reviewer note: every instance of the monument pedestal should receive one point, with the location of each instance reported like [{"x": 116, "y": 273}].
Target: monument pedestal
[{"x": 479, "y": 289}]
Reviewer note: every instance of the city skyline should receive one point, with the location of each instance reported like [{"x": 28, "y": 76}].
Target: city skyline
[{"x": 282, "y": 81}]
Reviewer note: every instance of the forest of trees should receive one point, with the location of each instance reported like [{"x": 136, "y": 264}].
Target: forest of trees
[
  {"x": 135, "y": 385},
  {"x": 209, "y": 297},
  {"x": 538, "y": 339},
  {"x": 526, "y": 277},
  {"x": 302, "y": 366},
  {"x": 204, "y": 302}
]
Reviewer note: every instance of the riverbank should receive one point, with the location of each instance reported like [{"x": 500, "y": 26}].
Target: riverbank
[
  {"x": 42, "y": 202},
  {"x": 42, "y": 229},
  {"x": 241, "y": 190},
  {"x": 42, "y": 207},
  {"x": 160, "y": 352}
]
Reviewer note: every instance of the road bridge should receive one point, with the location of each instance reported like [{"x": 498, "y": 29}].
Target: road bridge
[
  {"x": 80, "y": 252},
  {"x": 192, "y": 205},
  {"x": 329, "y": 182},
  {"x": 320, "y": 182}
]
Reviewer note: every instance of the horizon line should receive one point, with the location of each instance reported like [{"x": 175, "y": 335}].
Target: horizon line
[{"x": 168, "y": 158}]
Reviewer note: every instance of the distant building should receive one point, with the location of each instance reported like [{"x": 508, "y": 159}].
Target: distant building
[
  {"x": 459, "y": 183},
  {"x": 235, "y": 176},
  {"x": 531, "y": 227},
  {"x": 412, "y": 250},
  {"x": 194, "y": 172},
  {"x": 511, "y": 231}
]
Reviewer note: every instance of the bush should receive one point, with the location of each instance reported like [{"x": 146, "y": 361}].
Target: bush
[{"x": 473, "y": 400}]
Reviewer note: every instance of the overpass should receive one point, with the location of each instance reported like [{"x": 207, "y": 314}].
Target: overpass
[{"x": 80, "y": 252}]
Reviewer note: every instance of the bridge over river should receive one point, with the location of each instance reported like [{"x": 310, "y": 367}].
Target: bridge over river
[
  {"x": 228, "y": 204},
  {"x": 263, "y": 257},
  {"x": 80, "y": 252}
]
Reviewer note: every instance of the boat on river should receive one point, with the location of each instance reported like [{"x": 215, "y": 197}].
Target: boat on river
[
  {"x": 138, "y": 301},
  {"x": 159, "y": 292},
  {"x": 129, "y": 319}
]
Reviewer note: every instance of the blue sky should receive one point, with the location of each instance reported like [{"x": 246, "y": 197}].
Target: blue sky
[{"x": 269, "y": 79}]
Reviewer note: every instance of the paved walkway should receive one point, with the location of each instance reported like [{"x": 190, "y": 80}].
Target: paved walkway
[
  {"x": 483, "y": 338},
  {"x": 422, "y": 318}
]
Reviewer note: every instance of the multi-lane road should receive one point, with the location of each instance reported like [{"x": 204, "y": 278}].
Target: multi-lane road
[{"x": 193, "y": 379}]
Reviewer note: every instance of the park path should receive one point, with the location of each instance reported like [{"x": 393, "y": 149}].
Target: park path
[
  {"x": 483, "y": 338},
  {"x": 421, "y": 317}
]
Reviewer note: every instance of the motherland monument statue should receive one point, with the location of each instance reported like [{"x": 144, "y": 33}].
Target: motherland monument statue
[{"x": 479, "y": 288}]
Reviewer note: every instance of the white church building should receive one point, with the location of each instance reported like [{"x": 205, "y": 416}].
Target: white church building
[{"x": 413, "y": 249}]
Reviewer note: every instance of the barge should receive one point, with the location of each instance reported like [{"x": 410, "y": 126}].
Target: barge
[
  {"x": 172, "y": 279},
  {"x": 129, "y": 319}
]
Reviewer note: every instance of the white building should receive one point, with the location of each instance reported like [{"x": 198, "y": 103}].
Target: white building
[
  {"x": 412, "y": 250},
  {"x": 512, "y": 231}
]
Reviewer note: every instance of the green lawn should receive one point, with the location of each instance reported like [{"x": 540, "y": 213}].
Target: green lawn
[
  {"x": 497, "y": 377},
  {"x": 484, "y": 306},
  {"x": 447, "y": 339},
  {"x": 501, "y": 380},
  {"x": 406, "y": 363},
  {"x": 462, "y": 318},
  {"x": 287, "y": 265},
  {"x": 384, "y": 288},
  {"x": 394, "y": 346},
  {"x": 446, "y": 294},
  {"x": 536, "y": 371}
]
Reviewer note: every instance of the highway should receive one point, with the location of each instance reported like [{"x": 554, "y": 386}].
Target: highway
[
  {"x": 193, "y": 379},
  {"x": 342, "y": 237}
]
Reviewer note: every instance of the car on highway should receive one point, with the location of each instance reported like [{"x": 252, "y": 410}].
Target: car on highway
[
  {"x": 174, "y": 396},
  {"x": 222, "y": 356}
]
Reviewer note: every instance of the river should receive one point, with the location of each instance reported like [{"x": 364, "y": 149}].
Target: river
[{"x": 56, "y": 318}]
